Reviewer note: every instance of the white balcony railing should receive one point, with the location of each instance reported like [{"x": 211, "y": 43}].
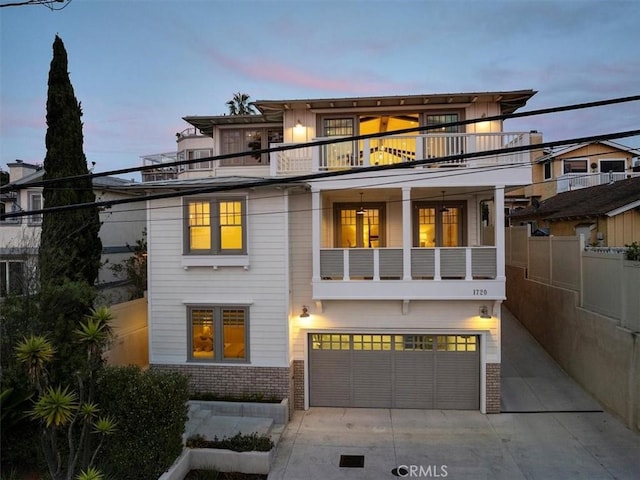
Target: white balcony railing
[
  {"x": 343, "y": 153},
  {"x": 574, "y": 181},
  {"x": 463, "y": 263}
]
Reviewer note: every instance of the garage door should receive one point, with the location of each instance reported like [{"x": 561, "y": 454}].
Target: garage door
[{"x": 394, "y": 371}]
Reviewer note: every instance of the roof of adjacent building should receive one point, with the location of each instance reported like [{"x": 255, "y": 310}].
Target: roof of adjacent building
[
  {"x": 608, "y": 199},
  {"x": 572, "y": 148},
  {"x": 272, "y": 110}
]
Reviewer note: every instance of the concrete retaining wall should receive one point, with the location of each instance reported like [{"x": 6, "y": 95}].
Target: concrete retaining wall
[{"x": 600, "y": 355}]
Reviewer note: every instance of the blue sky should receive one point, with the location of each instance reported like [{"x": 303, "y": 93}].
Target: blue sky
[{"x": 139, "y": 66}]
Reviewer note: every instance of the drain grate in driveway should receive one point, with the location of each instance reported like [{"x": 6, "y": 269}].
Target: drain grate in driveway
[{"x": 352, "y": 461}]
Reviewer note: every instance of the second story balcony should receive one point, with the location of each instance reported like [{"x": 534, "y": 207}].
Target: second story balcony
[
  {"x": 408, "y": 243},
  {"x": 574, "y": 181},
  {"x": 340, "y": 153}
]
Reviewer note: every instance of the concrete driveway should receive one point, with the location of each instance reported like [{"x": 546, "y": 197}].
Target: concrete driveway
[{"x": 559, "y": 432}]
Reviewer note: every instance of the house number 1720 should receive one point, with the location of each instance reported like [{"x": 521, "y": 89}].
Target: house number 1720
[{"x": 479, "y": 291}]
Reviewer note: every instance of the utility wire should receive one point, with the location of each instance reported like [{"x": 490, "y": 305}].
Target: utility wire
[
  {"x": 329, "y": 141},
  {"x": 316, "y": 176}
]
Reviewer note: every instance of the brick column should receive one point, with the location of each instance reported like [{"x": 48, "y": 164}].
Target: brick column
[
  {"x": 493, "y": 387},
  {"x": 298, "y": 384}
]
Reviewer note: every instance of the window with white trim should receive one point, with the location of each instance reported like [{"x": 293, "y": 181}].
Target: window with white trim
[
  {"x": 35, "y": 203},
  {"x": 612, "y": 165},
  {"x": 11, "y": 278},
  {"x": 215, "y": 226},
  {"x": 218, "y": 333},
  {"x": 576, "y": 165}
]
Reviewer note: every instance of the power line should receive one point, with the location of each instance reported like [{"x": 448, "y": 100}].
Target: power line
[
  {"x": 330, "y": 141},
  {"x": 316, "y": 176}
]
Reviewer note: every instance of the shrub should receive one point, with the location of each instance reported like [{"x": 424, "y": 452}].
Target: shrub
[
  {"x": 633, "y": 251},
  {"x": 151, "y": 408},
  {"x": 238, "y": 443}
]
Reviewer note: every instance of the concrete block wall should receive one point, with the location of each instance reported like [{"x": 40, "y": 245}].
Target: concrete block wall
[{"x": 602, "y": 356}]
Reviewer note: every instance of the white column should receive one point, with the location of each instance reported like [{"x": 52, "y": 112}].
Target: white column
[
  {"x": 499, "y": 232},
  {"x": 406, "y": 233},
  {"x": 315, "y": 233}
]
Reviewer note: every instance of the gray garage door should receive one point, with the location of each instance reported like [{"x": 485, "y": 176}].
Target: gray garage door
[{"x": 394, "y": 371}]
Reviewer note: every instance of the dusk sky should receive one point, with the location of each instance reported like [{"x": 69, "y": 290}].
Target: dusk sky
[{"x": 139, "y": 66}]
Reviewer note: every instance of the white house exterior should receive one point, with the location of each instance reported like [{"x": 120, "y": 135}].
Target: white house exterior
[
  {"x": 122, "y": 226},
  {"x": 350, "y": 286}
]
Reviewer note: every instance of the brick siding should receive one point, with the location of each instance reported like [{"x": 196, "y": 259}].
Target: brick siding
[
  {"x": 298, "y": 384},
  {"x": 230, "y": 380},
  {"x": 493, "y": 387}
]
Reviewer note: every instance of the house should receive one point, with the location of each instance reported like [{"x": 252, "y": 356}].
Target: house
[
  {"x": 607, "y": 215},
  {"x": 122, "y": 226},
  {"x": 335, "y": 271},
  {"x": 580, "y": 166}
]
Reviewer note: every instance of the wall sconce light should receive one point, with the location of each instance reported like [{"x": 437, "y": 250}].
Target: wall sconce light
[
  {"x": 305, "y": 312},
  {"x": 484, "y": 312}
]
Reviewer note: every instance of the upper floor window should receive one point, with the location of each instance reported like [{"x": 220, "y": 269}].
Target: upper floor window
[
  {"x": 607, "y": 166},
  {"x": 548, "y": 170},
  {"x": 11, "y": 278},
  {"x": 218, "y": 333},
  {"x": 239, "y": 140},
  {"x": 215, "y": 226},
  {"x": 359, "y": 226},
  {"x": 443, "y": 118},
  {"x": 574, "y": 166},
  {"x": 197, "y": 154},
  {"x": 35, "y": 203},
  {"x": 439, "y": 224}
]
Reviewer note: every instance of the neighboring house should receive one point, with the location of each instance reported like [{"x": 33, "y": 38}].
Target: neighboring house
[
  {"x": 607, "y": 215},
  {"x": 581, "y": 166},
  {"x": 122, "y": 225},
  {"x": 368, "y": 289}
]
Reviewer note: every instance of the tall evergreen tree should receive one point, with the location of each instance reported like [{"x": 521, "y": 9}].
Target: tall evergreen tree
[{"x": 70, "y": 248}]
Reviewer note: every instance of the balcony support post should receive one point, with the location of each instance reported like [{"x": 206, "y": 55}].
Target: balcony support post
[
  {"x": 468, "y": 274},
  {"x": 315, "y": 233},
  {"x": 406, "y": 233},
  {"x": 499, "y": 233}
]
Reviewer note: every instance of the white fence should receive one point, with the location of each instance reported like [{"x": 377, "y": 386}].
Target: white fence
[{"x": 607, "y": 283}]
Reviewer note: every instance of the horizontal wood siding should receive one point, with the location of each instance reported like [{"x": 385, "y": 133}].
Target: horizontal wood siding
[{"x": 262, "y": 285}]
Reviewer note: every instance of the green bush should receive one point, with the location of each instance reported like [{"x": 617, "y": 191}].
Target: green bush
[
  {"x": 633, "y": 251},
  {"x": 151, "y": 408},
  {"x": 238, "y": 443}
]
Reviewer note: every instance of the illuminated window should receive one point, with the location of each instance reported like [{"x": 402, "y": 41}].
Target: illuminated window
[
  {"x": 362, "y": 229},
  {"x": 218, "y": 333},
  {"x": 439, "y": 224},
  {"x": 215, "y": 226}
]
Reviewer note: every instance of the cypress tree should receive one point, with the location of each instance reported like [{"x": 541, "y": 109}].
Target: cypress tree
[{"x": 70, "y": 248}]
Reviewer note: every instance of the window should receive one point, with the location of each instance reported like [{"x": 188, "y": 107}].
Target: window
[
  {"x": 219, "y": 333},
  {"x": 548, "y": 170},
  {"x": 607, "y": 166},
  {"x": 11, "y": 278},
  {"x": 215, "y": 226},
  {"x": 574, "y": 166},
  {"x": 35, "y": 203},
  {"x": 359, "y": 225},
  {"x": 439, "y": 224},
  {"x": 238, "y": 140},
  {"x": 197, "y": 154}
]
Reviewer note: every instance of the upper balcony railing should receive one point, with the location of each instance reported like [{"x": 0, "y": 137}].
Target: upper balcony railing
[
  {"x": 343, "y": 153},
  {"x": 574, "y": 181}
]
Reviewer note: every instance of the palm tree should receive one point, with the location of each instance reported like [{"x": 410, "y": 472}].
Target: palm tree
[{"x": 239, "y": 105}]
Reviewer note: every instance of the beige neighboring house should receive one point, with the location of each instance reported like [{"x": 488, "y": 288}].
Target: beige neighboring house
[
  {"x": 367, "y": 289},
  {"x": 581, "y": 166},
  {"x": 122, "y": 225},
  {"x": 608, "y": 215}
]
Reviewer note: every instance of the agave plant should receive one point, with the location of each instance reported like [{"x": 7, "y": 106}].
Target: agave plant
[
  {"x": 56, "y": 406},
  {"x": 35, "y": 352},
  {"x": 90, "y": 474}
]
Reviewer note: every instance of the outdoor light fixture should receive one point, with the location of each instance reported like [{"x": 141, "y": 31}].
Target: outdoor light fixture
[
  {"x": 361, "y": 210},
  {"x": 484, "y": 312},
  {"x": 443, "y": 208},
  {"x": 305, "y": 312},
  {"x": 298, "y": 124}
]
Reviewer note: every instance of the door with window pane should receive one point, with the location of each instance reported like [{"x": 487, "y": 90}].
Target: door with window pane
[
  {"x": 359, "y": 227},
  {"x": 340, "y": 154},
  {"x": 438, "y": 225}
]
